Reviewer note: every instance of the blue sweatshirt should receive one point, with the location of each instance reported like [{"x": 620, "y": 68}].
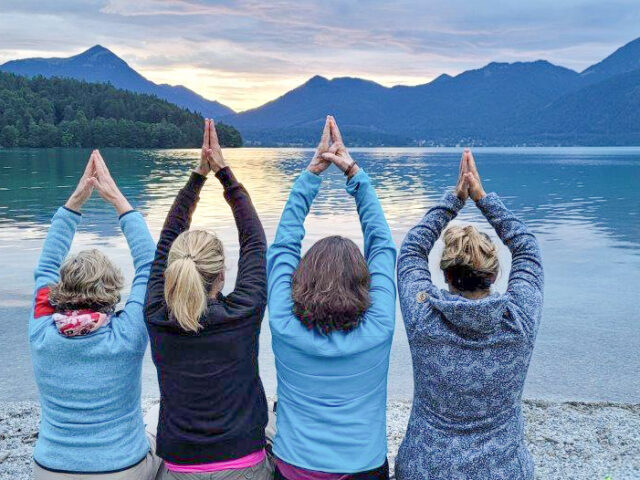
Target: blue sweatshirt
[
  {"x": 470, "y": 357},
  {"x": 90, "y": 385},
  {"x": 332, "y": 389}
]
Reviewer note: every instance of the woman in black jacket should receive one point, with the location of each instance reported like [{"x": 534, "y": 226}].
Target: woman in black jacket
[{"x": 213, "y": 409}]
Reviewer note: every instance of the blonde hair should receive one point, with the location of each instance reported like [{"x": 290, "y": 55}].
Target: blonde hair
[
  {"x": 470, "y": 258},
  {"x": 195, "y": 260},
  {"x": 88, "y": 280}
]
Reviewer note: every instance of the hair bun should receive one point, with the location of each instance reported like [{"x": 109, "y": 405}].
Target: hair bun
[{"x": 469, "y": 258}]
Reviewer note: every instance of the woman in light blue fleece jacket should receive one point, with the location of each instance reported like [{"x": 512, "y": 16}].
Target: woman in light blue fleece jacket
[
  {"x": 470, "y": 347},
  {"x": 87, "y": 358},
  {"x": 332, "y": 319}
]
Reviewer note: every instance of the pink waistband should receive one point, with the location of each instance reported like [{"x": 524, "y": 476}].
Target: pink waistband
[{"x": 237, "y": 463}]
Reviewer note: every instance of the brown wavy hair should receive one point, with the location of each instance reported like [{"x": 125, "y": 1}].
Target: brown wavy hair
[
  {"x": 330, "y": 289},
  {"x": 88, "y": 280}
]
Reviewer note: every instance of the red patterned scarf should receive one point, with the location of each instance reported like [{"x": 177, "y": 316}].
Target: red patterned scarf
[{"x": 80, "y": 322}]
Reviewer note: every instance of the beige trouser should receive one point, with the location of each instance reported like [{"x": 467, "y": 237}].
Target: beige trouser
[
  {"x": 261, "y": 471},
  {"x": 145, "y": 470}
]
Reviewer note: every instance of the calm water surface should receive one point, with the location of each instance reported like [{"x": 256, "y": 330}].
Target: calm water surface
[{"x": 582, "y": 203}]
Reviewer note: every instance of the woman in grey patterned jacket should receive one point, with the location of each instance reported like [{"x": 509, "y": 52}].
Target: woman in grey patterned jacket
[{"x": 470, "y": 347}]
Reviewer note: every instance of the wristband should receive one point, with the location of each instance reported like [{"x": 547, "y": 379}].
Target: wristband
[{"x": 349, "y": 168}]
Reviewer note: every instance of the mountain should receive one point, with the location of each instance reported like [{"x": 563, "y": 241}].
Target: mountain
[
  {"x": 99, "y": 64},
  {"x": 517, "y": 103},
  {"x": 623, "y": 60},
  {"x": 296, "y": 117},
  {"x": 498, "y": 104},
  {"x": 477, "y": 103},
  {"x": 448, "y": 109},
  {"x": 604, "y": 113}
]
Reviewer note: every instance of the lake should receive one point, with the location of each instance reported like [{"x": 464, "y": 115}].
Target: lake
[{"x": 582, "y": 203}]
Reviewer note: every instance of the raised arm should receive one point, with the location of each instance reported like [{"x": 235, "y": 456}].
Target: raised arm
[
  {"x": 62, "y": 230},
  {"x": 526, "y": 279},
  {"x": 413, "y": 261},
  {"x": 284, "y": 253},
  {"x": 133, "y": 227},
  {"x": 142, "y": 248},
  {"x": 379, "y": 248},
  {"x": 178, "y": 220},
  {"x": 251, "y": 281}
]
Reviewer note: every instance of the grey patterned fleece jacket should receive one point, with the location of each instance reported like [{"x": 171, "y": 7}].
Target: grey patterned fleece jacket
[{"x": 470, "y": 357}]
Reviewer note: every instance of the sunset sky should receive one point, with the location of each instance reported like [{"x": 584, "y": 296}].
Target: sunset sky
[{"x": 244, "y": 53}]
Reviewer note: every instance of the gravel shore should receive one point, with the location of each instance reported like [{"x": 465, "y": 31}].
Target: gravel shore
[{"x": 569, "y": 441}]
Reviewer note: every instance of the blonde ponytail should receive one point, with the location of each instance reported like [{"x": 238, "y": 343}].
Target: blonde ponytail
[{"x": 195, "y": 261}]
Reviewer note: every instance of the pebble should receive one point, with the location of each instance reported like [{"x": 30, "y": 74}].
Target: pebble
[{"x": 571, "y": 440}]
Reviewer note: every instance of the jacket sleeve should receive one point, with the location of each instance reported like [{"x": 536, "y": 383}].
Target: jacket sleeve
[
  {"x": 284, "y": 253},
  {"x": 251, "y": 281},
  {"x": 54, "y": 250},
  {"x": 526, "y": 278},
  {"x": 379, "y": 250},
  {"x": 56, "y": 246},
  {"x": 178, "y": 220},
  {"x": 413, "y": 262},
  {"x": 142, "y": 247}
]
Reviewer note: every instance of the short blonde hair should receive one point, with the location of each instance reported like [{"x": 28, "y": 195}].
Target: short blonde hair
[
  {"x": 88, "y": 280},
  {"x": 469, "y": 258},
  {"x": 195, "y": 260}
]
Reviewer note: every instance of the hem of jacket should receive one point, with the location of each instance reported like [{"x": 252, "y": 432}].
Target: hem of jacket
[
  {"x": 210, "y": 453},
  {"x": 348, "y": 471},
  {"x": 133, "y": 210},
  {"x": 72, "y": 210},
  {"x": 101, "y": 472}
]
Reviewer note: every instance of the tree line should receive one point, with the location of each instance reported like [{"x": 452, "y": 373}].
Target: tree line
[{"x": 62, "y": 112}]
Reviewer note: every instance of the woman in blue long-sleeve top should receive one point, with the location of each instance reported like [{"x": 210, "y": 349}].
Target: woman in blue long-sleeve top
[
  {"x": 332, "y": 319},
  {"x": 470, "y": 348},
  {"x": 87, "y": 358}
]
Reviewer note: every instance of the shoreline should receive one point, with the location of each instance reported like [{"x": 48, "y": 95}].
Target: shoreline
[{"x": 568, "y": 440}]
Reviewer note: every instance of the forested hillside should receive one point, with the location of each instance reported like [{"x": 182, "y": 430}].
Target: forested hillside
[{"x": 57, "y": 112}]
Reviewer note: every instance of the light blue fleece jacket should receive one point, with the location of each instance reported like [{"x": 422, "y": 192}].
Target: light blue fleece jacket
[
  {"x": 332, "y": 389},
  {"x": 90, "y": 385}
]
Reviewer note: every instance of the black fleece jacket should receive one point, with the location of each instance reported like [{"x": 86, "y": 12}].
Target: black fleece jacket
[{"x": 212, "y": 403}]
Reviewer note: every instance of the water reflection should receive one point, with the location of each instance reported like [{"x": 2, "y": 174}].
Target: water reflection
[{"x": 582, "y": 203}]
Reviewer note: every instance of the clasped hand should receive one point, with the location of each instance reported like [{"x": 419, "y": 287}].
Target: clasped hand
[
  {"x": 211, "y": 158},
  {"x": 331, "y": 149},
  {"x": 97, "y": 176},
  {"x": 469, "y": 183}
]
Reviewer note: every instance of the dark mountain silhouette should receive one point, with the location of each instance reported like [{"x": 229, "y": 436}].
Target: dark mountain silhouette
[
  {"x": 498, "y": 104},
  {"x": 448, "y": 109},
  {"x": 99, "y": 64}
]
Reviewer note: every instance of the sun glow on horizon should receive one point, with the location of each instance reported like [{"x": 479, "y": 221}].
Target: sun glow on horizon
[{"x": 247, "y": 91}]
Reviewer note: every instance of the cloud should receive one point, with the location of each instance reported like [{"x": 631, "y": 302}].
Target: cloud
[{"x": 245, "y": 52}]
